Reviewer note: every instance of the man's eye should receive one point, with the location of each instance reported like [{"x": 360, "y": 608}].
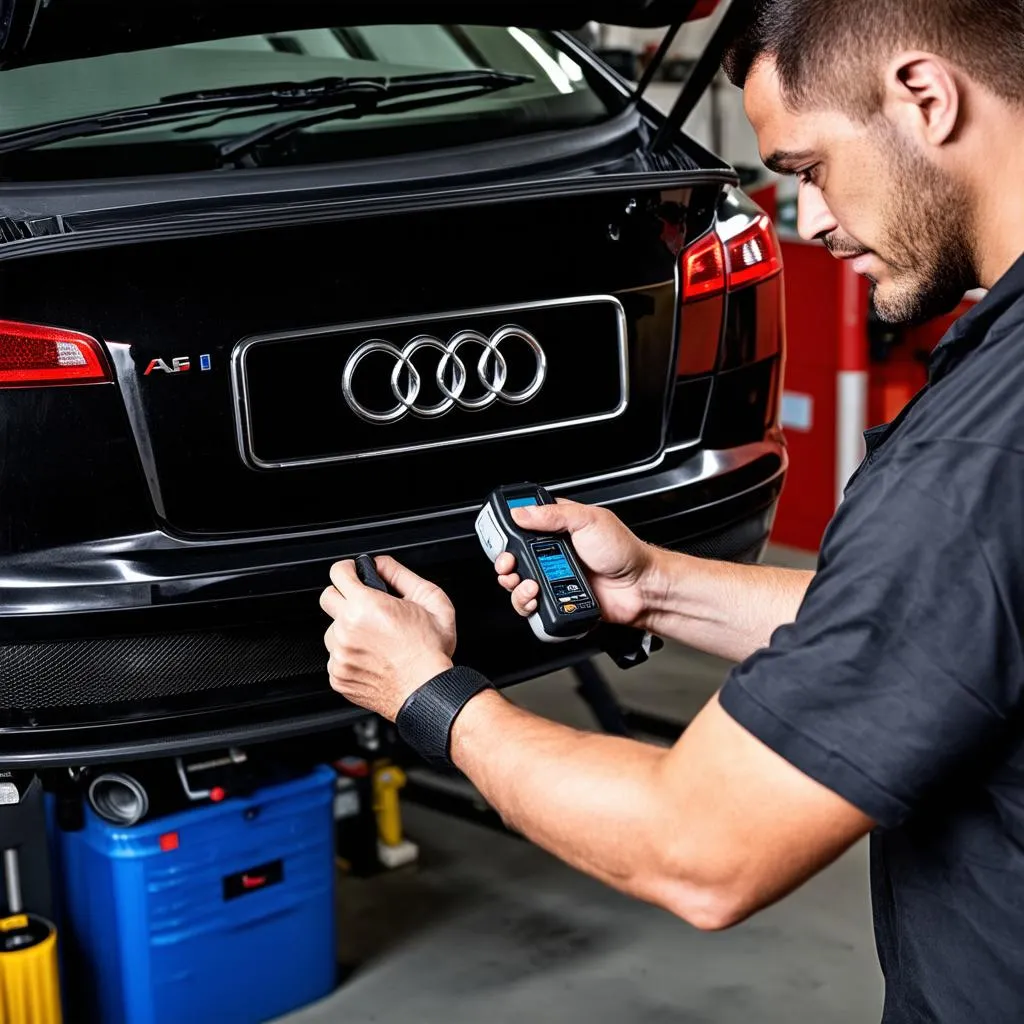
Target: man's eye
[{"x": 808, "y": 176}]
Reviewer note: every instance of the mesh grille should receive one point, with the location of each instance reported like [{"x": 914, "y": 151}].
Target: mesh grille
[{"x": 79, "y": 673}]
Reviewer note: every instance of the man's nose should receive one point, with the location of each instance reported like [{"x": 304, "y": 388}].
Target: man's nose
[{"x": 814, "y": 219}]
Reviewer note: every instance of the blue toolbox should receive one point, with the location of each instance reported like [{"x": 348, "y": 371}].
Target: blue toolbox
[{"x": 222, "y": 913}]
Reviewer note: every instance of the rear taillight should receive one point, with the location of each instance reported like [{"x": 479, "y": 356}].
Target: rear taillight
[
  {"x": 704, "y": 269},
  {"x": 753, "y": 255},
  {"x": 711, "y": 266},
  {"x": 36, "y": 356},
  {"x": 731, "y": 331}
]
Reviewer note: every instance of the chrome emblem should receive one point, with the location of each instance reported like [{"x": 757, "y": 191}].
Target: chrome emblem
[{"x": 450, "y": 374}]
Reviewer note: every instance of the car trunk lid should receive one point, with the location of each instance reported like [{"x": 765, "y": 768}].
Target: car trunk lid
[
  {"x": 36, "y": 31},
  {"x": 389, "y": 367}
]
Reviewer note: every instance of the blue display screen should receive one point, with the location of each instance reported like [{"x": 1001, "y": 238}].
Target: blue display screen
[
  {"x": 520, "y": 502},
  {"x": 555, "y": 567}
]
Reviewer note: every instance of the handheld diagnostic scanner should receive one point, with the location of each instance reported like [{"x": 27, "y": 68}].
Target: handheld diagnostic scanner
[{"x": 566, "y": 606}]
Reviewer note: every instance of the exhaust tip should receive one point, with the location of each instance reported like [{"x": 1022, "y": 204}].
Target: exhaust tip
[{"x": 118, "y": 799}]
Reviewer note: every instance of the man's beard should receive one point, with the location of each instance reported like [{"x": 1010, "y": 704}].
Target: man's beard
[{"x": 926, "y": 240}]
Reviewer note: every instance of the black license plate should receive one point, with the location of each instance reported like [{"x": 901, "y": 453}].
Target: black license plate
[{"x": 402, "y": 386}]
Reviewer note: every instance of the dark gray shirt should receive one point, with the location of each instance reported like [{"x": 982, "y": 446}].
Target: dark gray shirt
[{"x": 900, "y": 686}]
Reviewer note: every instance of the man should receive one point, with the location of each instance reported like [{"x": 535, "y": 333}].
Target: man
[{"x": 885, "y": 692}]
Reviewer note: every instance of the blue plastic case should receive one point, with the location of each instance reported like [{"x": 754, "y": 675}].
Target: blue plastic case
[{"x": 223, "y": 913}]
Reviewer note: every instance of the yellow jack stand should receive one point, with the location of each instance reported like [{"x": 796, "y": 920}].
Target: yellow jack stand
[{"x": 392, "y": 849}]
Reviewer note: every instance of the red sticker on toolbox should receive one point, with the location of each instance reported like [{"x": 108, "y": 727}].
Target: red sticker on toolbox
[{"x": 252, "y": 880}]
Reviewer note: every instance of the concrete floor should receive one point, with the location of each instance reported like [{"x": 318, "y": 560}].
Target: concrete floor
[{"x": 489, "y": 928}]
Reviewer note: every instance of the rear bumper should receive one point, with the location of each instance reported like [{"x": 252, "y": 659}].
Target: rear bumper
[{"x": 118, "y": 600}]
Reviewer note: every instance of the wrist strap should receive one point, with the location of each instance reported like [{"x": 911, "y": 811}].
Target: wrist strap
[{"x": 426, "y": 718}]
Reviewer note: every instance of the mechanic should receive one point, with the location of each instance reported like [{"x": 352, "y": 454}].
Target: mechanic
[{"x": 884, "y": 693}]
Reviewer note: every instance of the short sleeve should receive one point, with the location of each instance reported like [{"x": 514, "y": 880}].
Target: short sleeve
[{"x": 903, "y": 666}]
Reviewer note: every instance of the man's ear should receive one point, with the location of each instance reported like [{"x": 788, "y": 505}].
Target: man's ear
[{"x": 922, "y": 95}]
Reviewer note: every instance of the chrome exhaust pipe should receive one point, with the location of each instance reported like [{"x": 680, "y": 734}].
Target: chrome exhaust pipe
[{"x": 118, "y": 798}]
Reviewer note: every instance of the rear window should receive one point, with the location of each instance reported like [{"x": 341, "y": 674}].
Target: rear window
[{"x": 563, "y": 92}]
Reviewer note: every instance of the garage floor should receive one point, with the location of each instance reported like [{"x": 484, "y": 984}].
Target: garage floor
[{"x": 489, "y": 928}]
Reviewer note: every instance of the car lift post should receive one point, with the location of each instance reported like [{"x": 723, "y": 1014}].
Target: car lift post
[{"x": 614, "y": 717}]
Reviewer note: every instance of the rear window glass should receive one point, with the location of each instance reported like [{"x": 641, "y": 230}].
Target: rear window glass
[{"x": 562, "y": 92}]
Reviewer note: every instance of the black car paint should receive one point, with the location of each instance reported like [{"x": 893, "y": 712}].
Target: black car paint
[
  {"x": 34, "y": 31},
  {"x": 108, "y": 541}
]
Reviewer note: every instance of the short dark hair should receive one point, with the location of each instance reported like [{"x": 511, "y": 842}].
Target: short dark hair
[{"x": 825, "y": 50}]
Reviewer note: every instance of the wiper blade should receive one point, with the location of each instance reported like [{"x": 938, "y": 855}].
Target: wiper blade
[
  {"x": 166, "y": 111},
  {"x": 326, "y": 89},
  {"x": 456, "y": 86},
  {"x": 250, "y": 100}
]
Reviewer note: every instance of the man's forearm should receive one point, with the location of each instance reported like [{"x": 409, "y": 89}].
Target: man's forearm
[
  {"x": 711, "y": 830},
  {"x": 721, "y": 608},
  {"x": 594, "y": 801}
]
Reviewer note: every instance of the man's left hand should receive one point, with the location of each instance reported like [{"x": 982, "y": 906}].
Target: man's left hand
[{"x": 383, "y": 648}]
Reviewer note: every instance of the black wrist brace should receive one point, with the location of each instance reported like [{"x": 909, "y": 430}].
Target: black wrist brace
[{"x": 426, "y": 718}]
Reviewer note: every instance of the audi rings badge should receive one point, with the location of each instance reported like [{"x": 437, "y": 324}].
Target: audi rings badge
[{"x": 452, "y": 375}]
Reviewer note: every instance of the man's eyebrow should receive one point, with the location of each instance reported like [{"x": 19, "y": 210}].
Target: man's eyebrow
[{"x": 784, "y": 161}]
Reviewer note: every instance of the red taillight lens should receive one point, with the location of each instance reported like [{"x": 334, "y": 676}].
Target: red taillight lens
[
  {"x": 703, "y": 9},
  {"x": 711, "y": 266},
  {"x": 35, "y": 356},
  {"x": 753, "y": 255},
  {"x": 704, "y": 269}
]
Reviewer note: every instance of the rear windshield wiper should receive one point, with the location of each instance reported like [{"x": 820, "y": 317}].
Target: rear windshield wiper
[
  {"x": 456, "y": 86},
  {"x": 363, "y": 94},
  {"x": 324, "y": 89}
]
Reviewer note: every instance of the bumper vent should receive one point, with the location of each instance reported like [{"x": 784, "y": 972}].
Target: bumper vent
[{"x": 83, "y": 673}]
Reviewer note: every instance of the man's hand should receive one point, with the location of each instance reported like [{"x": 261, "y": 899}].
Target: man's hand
[
  {"x": 615, "y": 559},
  {"x": 720, "y": 608},
  {"x": 382, "y": 648}
]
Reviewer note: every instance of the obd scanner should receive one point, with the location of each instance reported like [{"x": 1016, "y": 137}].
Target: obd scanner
[{"x": 566, "y": 606}]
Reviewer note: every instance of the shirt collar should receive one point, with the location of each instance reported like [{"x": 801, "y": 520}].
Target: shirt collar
[{"x": 970, "y": 330}]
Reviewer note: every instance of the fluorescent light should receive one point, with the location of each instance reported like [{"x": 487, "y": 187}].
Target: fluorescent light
[{"x": 558, "y": 77}]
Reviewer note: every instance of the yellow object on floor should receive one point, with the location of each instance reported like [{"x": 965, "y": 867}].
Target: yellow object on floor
[
  {"x": 393, "y": 850},
  {"x": 387, "y": 781},
  {"x": 29, "y": 974}
]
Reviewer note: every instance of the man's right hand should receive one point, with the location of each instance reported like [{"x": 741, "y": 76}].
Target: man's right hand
[
  {"x": 721, "y": 608},
  {"x": 616, "y": 560}
]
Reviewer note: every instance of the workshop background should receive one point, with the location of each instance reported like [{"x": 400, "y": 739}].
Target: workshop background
[{"x": 454, "y": 919}]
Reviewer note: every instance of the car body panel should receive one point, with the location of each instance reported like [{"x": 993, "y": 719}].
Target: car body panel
[{"x": 46, "y": 30}]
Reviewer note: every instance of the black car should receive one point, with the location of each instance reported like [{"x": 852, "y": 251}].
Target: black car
[{"x": 281, "y": 283}]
